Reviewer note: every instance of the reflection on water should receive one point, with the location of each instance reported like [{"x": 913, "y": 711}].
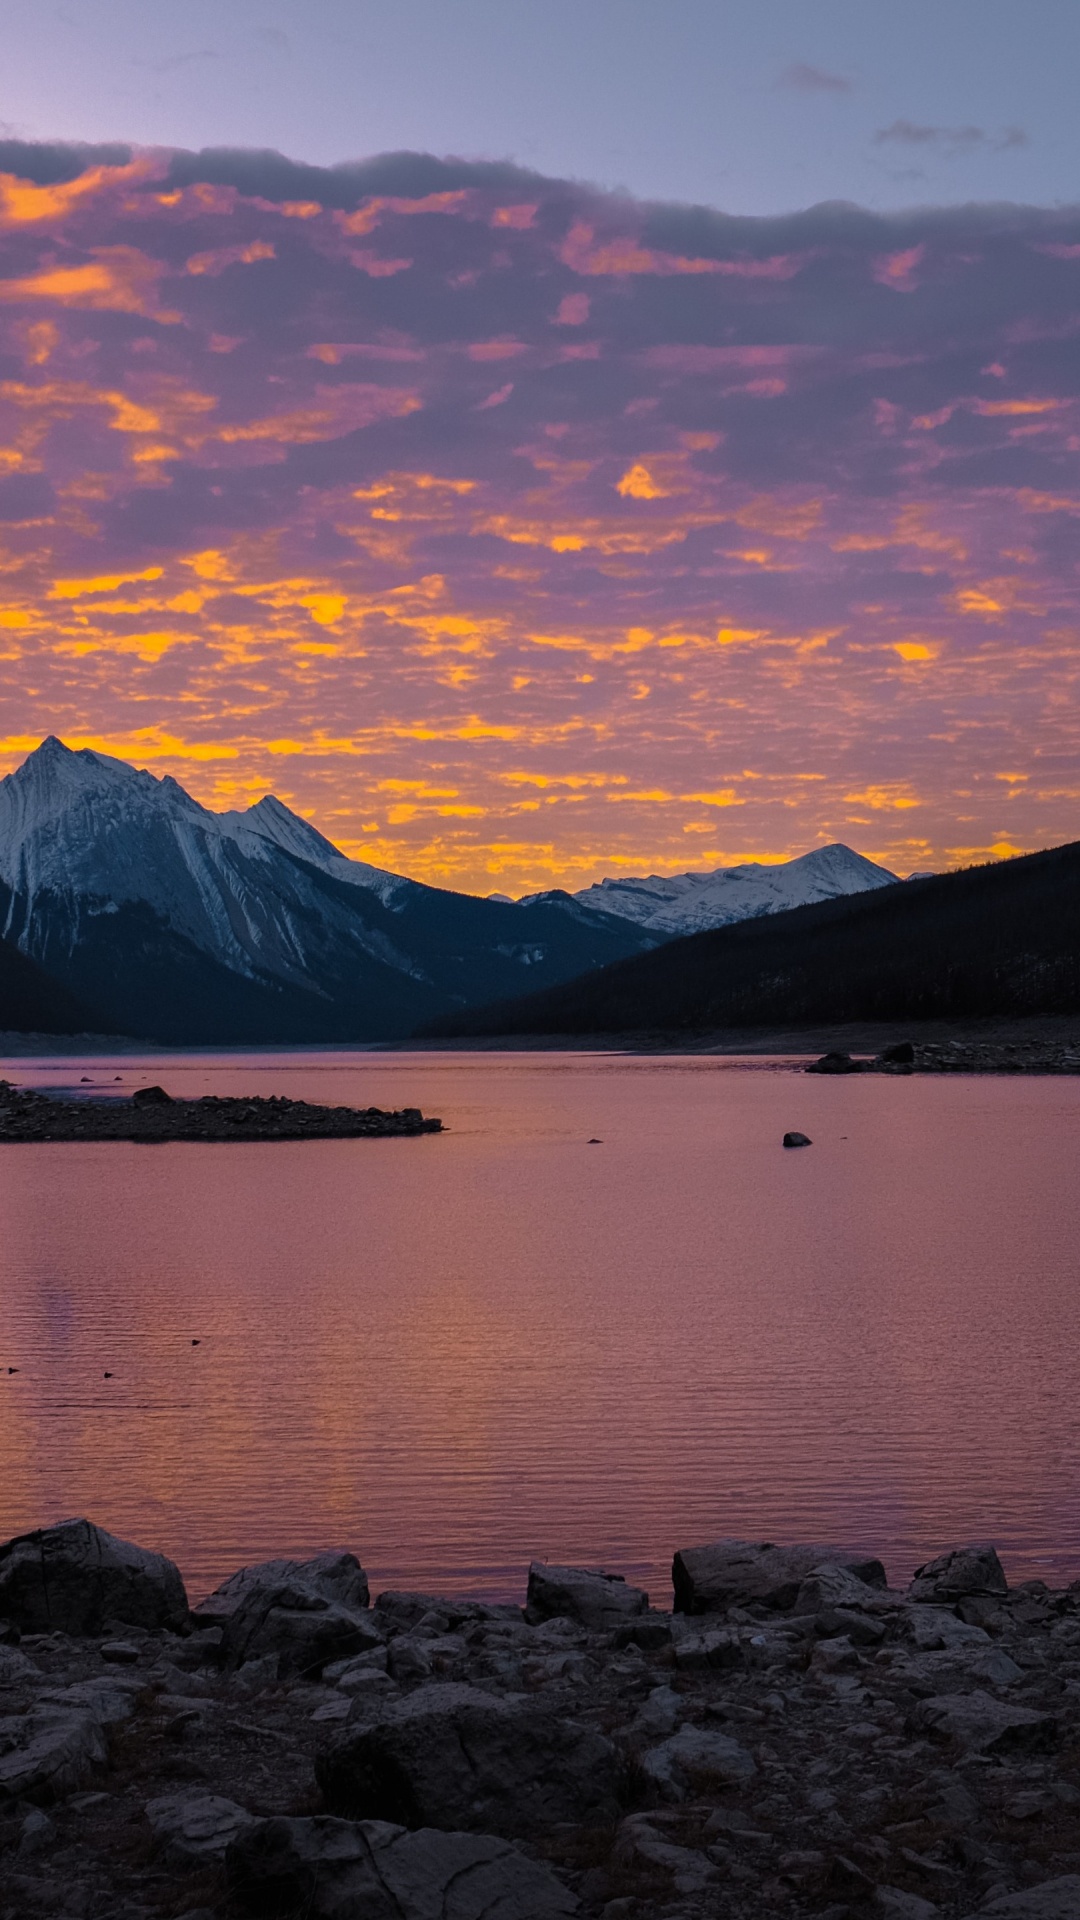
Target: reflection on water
[{"x": 455, "y": 1353}]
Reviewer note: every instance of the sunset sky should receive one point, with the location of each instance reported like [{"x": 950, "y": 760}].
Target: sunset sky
[{"x": 519, "y": 532}]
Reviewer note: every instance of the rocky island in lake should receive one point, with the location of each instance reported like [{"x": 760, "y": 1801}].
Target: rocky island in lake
[
  {"x": 796, "y": 1739},
  {"x": 152, "y": 1115}
]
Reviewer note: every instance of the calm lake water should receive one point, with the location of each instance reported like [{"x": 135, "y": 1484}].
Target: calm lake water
[{"x": 455, "y": 1353}]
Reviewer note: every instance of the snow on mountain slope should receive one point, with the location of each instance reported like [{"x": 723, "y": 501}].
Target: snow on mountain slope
[
  {"x": 249, "y": 926},
  {"x": 272, "y": 819},
  {"x": 691, "y": 902},
  {"x": 82, "y": 824}
]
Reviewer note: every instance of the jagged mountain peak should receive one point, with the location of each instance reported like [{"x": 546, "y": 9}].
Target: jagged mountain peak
[
  {"x": 248, "y": 924},
  {"x": 691, "y": 902}
]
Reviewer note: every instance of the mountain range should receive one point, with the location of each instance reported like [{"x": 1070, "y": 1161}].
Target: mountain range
[
  {"x": 192, "y": 927},
  {"x": 692, "y": 902},
  {"x": 999, "y": 940},
  {"x": 143, "y": 912}
]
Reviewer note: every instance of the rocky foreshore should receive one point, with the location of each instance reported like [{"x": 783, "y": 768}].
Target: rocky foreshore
[
  {"x": 152, "y": 1115},
  {"x": 958, "y": 1056},
  {"x": 794, "y": 1739}
]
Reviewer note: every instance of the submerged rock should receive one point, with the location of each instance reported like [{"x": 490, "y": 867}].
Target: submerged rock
[{"x": 74, "y": 1577}]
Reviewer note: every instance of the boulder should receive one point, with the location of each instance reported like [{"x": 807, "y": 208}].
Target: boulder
[
  {"x": 331, "y": 1869},
  {"x": 299, "y": 1614},
  {"x": 193, "y": 1830},
  {"x": 74, "y": 1577},
  {"x": 977, "y": 1723},
  {"x": 336, "y": 1576},
  {"x": 399, "y": 1611},
  {"x": 453, "y": 1756},
  {"x": 955, "y": 1575},
  {"x": 601, "y": 1602},
  {"x": 639, "y": 1844},
  {"x": 151, "y": 1097},
  {"x": 892, "y": 1903},
  {"x": 738, "y": 1573},
  {"x": 836, "y": 1585},
  {"x": 835, "y": 1062},
  {"x": 697, "y": 1760},
  {"x": 796, "y": 1139},
  {"x": 49, "y": 1752},
  {"x": 1053, "y": 1900},
  {"x": 933, "y": 1627},
  {"x": 111, "y": 1698}
]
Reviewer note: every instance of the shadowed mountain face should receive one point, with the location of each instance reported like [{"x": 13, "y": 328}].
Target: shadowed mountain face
[
  {"x": 189, "y": 926},
  {"x": 995, "y": 940},
  {"x": 32, "y": 1002}
]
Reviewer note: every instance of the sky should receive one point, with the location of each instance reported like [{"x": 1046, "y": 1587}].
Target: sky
[
  {"x": 753, "y": 106},
  {"x": 620, "y": 498}
]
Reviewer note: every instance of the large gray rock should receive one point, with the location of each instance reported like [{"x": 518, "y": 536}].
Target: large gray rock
[
  {"x": 300, "y": 1614},
  {"x": 599, "y": 1601},
  {"x": 194, "y": 1829},
  {"x": 977, "y": 1723},
  {"x": 74, "y": 1577},
  {"x": 892, "y": 1903},
  {"x": 697, "y": 1759},
  {"x": 737, "y": 1573},
  {"x": 331, "y": 1869},
  {"x": 49, "y": 1752},
  {"x": 452, "y": 1756},
  {"x": 964, "y": 1572},
  {"x": 1053, "y": 1900},
  {"x": 338, "y": 1577}
]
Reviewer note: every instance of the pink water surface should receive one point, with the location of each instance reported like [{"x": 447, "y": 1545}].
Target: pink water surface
[{"x": 455, "y": 1353}]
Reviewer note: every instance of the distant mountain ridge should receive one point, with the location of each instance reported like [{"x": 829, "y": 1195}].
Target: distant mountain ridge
[
  {"x": 187, "y": 926},
  {"x": 691, "y": 902},
  {"x": 995, "y": 941}
]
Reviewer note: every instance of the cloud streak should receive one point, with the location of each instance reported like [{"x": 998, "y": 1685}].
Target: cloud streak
[{"x": 803, "y": 78}]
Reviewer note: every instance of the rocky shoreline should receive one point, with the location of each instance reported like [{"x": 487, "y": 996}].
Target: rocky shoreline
[
  {"x": 794, "y": 1740},
  {"x": 152, "y": 1115},
  {"x": 958, "y": 1056}
]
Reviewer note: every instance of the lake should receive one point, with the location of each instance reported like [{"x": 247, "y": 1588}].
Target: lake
[{"x": 456, "y": 1353}]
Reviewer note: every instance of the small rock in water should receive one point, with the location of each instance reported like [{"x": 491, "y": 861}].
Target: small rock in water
[{"x": 797, "y": 1140}]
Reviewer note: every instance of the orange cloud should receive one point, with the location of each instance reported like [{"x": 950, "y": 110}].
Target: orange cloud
[
  {"x": 520, "y": 216},
  {"x": 24, "y": 204},
  {"x": 116, "y": 279},
  {"x": 899, "y": 270},
  {"x": 219, "y": 258},
  {"x": 638, "y": 484}
]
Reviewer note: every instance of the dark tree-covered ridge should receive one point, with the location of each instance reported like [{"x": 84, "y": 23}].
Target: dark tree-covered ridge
[{"x": 996, "y": 940}]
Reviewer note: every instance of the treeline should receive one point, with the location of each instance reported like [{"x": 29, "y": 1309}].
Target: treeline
[
  {"x": 1002, "y": 939},
  {"x": 31, "y": 1001}
]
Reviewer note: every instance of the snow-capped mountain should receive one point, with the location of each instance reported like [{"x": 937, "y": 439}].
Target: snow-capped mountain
[
  {"x": 183, "y": 924},
  {"x": 691, "y": 902}
]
